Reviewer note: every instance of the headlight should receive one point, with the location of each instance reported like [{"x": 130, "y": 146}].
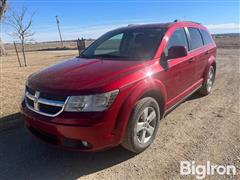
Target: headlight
[{"x": 89, "y": 103}]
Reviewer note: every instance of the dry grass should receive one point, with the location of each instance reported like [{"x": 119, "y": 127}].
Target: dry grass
[
  {"x": 48, "y": 45},
  {"x": 232, "y": 42},
  {"x": 13, "y": 77}
]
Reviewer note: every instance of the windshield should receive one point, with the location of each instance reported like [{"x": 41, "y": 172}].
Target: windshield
[{"x": 128, "y": 44}]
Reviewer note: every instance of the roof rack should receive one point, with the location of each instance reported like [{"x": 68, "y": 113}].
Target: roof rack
[{"x": 177, "y": 20}]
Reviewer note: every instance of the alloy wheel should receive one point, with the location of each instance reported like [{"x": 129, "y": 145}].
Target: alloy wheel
[
  {"x": 210, "y": 79},
  {"x": 146, "y": 125}
]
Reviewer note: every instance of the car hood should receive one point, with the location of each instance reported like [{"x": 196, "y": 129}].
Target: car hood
[{"x": 82, "y": 75}]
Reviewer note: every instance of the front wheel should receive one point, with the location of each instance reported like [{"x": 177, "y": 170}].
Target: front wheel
[
  {"x": 207, "y": 86},
  {"x": 142, "y": 126}
]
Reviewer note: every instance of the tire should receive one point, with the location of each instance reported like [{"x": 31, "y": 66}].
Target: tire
[
  {"x": 207, "y": 86},
  {"x": 142, "y": 126}
]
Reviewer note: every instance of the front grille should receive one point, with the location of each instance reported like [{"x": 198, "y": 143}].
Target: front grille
[
  {"x": 44, "y": 103},
  {"x": 53, "y": 97},
  {"x": 49, "y": 109},
  {"x": 30, "y": 102}
]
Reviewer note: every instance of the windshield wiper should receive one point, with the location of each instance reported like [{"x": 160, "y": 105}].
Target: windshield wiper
[
  {"x": 109, "y": 56},
  {"x": 101, "y": 56},
  {"x": 84, "y": 56}
]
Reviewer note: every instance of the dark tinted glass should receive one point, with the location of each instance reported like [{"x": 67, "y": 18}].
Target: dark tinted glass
[
  {"x": 195, "y": 38},
  {"x": 178, "y": 38},
  {"x": 206, "y": 37},
  {"x": 126, "y": 44}
]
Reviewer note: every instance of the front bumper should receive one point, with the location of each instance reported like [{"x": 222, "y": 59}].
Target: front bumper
[{"x": 97, "y": 129}]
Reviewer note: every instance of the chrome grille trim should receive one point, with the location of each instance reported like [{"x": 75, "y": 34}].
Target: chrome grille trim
[
  {"x": 51, "y": 102},
  {"x": 30, "y": 96},
  {"x": 37, "y": 100}
]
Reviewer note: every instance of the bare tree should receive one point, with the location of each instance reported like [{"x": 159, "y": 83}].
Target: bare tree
[
  {"x": 21, "y": 21},
  {"x": 3, "y": 6}
]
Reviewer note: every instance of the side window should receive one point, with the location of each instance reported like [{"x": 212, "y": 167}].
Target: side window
[
  {"x": 111, "y": 45},
  {"x": 206, "y": 37},
  {"x": 178, "y": 38},
  {"x": 195, "y": 38}
]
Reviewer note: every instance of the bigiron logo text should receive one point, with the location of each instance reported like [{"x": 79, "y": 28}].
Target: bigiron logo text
[{"x": 201, "y": 171}]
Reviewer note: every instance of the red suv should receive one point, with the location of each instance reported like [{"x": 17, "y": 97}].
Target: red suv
[{"x": 119, "y": 88}]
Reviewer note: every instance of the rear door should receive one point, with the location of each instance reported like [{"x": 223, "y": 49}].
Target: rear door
[
  {"x": 208, "y": 51},
  {"x": 198, "y": 52}
]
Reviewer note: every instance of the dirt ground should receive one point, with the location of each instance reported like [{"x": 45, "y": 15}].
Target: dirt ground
[{"x": 201, "y": 129}]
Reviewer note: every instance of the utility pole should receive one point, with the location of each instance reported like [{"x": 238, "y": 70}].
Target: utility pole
[{"x": 59, "y": 31}]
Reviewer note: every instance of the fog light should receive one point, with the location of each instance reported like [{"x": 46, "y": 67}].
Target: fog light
[{"x": 85, "y": 143}]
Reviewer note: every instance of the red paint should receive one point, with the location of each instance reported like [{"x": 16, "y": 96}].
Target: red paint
[{"x": 133, "y": 79}]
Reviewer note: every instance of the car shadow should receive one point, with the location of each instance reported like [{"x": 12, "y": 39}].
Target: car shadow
[
  {"x": 10, "y": 121},
  {"x": 22, "y": 156},
  {"x": 190, "y": 98},
  {"x": 194, "y": 96}
]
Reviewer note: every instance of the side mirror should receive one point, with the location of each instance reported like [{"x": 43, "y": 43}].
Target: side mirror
[
  {"x": 164, "y": 62},
  {"x": 177, "y": 52}
]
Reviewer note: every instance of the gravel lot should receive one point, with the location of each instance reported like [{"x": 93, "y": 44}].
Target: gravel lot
[{"x": 201, "y": 129}]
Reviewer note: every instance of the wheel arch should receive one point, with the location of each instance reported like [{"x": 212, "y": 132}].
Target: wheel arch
[
  {"x": 211, "y": 62},
  {"x": 156, "y": 94},
  {"x": 214, "y": 65},
  {"x": 147, "y": 87}
]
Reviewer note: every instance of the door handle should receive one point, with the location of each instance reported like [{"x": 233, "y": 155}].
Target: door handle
[
  {"x": 191, "y": 60},
  {"x": 207, "y": 52}
]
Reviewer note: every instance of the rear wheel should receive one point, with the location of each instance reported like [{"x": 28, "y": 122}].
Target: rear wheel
[
  {"x": 142, "y": 126},
  {"x": 207, "y": 86}
]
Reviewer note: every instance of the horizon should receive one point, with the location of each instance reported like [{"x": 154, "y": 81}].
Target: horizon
[
  {"x": 93, "y": 39},
  {"x": 91, "y": 19}
]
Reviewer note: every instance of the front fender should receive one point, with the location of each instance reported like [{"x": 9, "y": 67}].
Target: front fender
[{"x": 136, "y": 92}]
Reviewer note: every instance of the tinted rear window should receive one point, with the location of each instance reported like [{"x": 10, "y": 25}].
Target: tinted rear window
[
  {"x": 195, "y": 38},
  {"x": 206, "y": 37}
]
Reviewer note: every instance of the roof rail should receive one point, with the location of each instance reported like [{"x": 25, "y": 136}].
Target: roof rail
[
  {"x": 193, "y": 22},
  {"x": 177, "y": 20}
]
